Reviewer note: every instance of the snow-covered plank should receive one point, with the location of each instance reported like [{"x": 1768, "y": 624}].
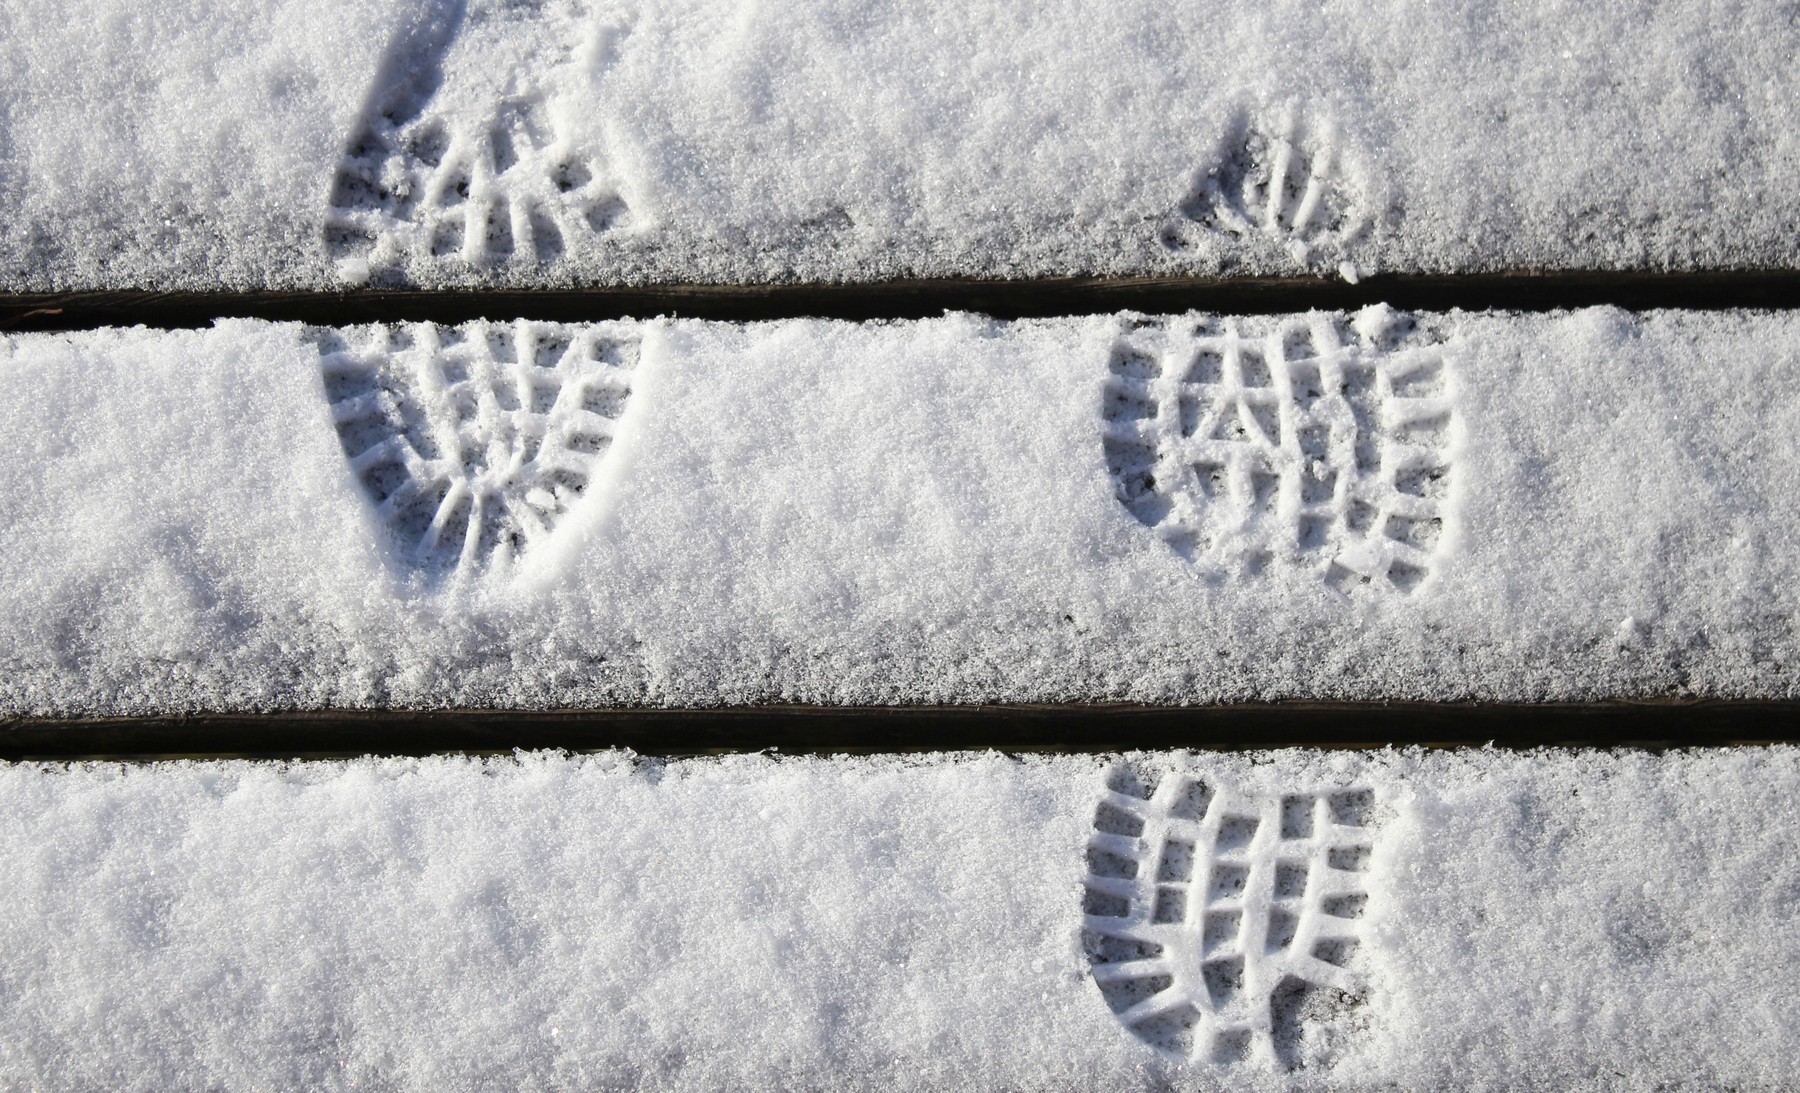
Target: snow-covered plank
[
  {"x": 1427, "y": 921},
  {"x": 1189, "y": 508},
  {"x": 325, "y": 143}
]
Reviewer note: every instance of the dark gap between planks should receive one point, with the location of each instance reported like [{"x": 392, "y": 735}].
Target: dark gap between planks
[
  {"x": 1658, "y": 724},
  {"x": 915, "y": 299}
]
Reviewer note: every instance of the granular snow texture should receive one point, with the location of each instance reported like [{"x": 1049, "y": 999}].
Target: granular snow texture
[
  {"x": 331, "y": 142},
  {"x": 1190, "y": 509},
  {"x": 1539, "y": 921}
]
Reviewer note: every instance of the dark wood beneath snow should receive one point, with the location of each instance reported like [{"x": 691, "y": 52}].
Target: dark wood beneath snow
[
  {"x": 911, "y": 299},
  {"x": 1662, "y": 723}
]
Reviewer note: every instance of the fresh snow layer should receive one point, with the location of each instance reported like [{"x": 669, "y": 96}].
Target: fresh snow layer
[
  {"x": 1488, "y": 921},
  {"x": 1190, "y": 508},
  {"x": 338, "y": 142}
]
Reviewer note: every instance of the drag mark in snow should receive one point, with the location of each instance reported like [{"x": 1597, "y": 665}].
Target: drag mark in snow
[
  {"x": 1223, "y": 926},
  {"x": 1282, "y": 182},
  {"x": 1255, "y": 444},
  {"x": 479, "y": 168},
  {"x": 474, "y": 442}
]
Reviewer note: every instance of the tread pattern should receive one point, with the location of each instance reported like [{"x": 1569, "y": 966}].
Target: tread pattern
[
  {"x": 1225, "y": 926},
  {"x": 474, "y": 442},
  {"x": 1304, "y": 443},
  {"x": 1282, "y": 181},
  {"x": 475, "y": 175}
]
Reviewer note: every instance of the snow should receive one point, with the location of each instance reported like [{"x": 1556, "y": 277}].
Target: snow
[
  {"x": 328, "y": 143},
  {"x": 1434, "y": 507},
  {"x": 1590, "y": 505},
  {"x": 1544, "y": 920}
]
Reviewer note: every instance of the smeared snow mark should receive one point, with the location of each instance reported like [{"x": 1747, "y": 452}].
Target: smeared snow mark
[
  {"x": 1282, "y": 182},
  {"x": 482, "y": 164},
  {"x": 1303, "y": 443},
  {"x": 1223, "y": 926},
  {"x": 474, "y": 442}
]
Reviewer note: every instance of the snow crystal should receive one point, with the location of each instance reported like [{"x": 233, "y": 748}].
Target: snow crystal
[
  {"x": 1550, "y": 920},
  {"x": 344, "y": 142},
  {"x": 259, "y": 515}
]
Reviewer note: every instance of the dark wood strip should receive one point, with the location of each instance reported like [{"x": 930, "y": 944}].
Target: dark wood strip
[
  {"x": 1522, "y": 291},
  {"x": 823, "y": 729}
]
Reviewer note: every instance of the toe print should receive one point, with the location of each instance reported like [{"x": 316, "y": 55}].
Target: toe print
[
  {"x": 1282, "y": 182},
  {"x": 474, "y": 167}
]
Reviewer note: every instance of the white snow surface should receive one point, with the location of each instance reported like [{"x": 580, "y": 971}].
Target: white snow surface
[
  {"x": 205, "y": 144},
  {"x": 1533, "y": 921},
  {"x": 915, "y": 512}
]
